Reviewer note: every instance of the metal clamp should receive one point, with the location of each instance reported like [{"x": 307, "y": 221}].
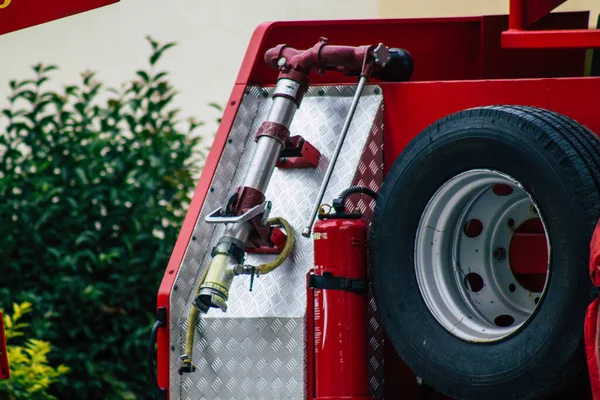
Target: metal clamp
[{"x": 216, "y": 217}]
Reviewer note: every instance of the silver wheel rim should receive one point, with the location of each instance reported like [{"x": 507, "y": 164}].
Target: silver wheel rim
[{"x": 463, "y": 267}]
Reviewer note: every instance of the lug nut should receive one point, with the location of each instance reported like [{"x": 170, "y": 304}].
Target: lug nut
[{"x": 500, "y": 254}]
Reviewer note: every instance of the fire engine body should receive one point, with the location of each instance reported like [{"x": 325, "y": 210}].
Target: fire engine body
[{"x": 270, "y": 343}]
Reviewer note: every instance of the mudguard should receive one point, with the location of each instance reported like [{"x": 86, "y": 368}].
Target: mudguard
[{"x": 591, "y": 318}]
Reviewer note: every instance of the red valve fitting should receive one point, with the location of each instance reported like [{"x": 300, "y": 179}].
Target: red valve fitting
[
  {"x": 320, "y": 57},
  {"x": 298, "y": 64},
  {"x": 391, "y": 65}
]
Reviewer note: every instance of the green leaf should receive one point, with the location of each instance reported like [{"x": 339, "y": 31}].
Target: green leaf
[
  {"x": 167, "y": 46},
  {"x": 159, "y": 52},
  {"x": 216, "y": 106},
  {"x": 143, "y": 75},
  {"x": 160, "y": 75},
  {"x": 41, "y": 81},
  {"x": 152, "y": 42}
]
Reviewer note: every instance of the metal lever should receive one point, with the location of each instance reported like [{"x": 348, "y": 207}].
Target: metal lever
[{"x": 334, "y": 157}]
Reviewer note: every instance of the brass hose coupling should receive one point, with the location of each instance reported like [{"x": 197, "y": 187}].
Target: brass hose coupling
[{"x": 186, "y": 365}]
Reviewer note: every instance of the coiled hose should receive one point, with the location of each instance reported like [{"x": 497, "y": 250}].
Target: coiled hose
[{"x": 186, "y": 358}]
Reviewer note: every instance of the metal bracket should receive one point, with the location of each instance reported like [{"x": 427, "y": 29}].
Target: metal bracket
[{"x": 216, "y": 217}]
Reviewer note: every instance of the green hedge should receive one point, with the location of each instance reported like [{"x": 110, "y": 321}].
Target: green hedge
[{"x": 94, "y": 183}]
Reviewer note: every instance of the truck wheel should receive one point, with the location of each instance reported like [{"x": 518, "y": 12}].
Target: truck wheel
[{"x": 479, "y": 251}]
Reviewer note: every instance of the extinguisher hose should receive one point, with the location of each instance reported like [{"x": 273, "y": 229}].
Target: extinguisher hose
[
  {"x": 340, "y": 203},
  {"x": 186, "y": 358},
  {"x": 357, "y": 189}
]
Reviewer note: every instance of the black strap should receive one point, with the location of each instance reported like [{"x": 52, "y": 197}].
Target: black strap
[
  {"x": 595, "y": 292},
  {"x": 329, "y": 282}
]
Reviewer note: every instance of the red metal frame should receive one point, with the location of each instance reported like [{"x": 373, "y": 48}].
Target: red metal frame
[
  {"x": 20, "y": 14},
  {"x": 459, "y": 63},
  {"x": 524, "y": 13}
]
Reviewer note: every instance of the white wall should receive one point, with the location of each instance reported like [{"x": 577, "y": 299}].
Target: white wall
[
  {"x": 446, "y": 8},
  {"x": 111, "y": 41}
]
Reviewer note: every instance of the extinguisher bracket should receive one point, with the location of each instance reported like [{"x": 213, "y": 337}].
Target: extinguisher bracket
[{"x": 330, "y": 282}]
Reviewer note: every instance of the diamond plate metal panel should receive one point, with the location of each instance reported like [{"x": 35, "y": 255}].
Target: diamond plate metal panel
[
  {"x": 257, "y": 349},
  {"x": 370, "y": 174}
]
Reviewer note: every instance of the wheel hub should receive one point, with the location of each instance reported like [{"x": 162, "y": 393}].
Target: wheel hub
[{"x": 468, "y": 255}]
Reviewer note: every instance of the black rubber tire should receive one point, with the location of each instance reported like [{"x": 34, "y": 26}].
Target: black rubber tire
[{"x": 557, "y": 161}]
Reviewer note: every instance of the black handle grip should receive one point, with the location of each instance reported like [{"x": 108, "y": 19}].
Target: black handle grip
[
  {"x": 399, "y": 68},
  {"x": 161, "y": 320}
]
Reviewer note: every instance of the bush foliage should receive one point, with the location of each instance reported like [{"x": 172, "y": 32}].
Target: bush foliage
[
  {"x": 31, "y": 376},
  {"x": 94, "y": 183}
]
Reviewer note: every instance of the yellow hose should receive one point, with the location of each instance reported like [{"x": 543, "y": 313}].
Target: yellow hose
[
  {"x": 287, "y": 249},
  {"x": 186, "y": 365}
]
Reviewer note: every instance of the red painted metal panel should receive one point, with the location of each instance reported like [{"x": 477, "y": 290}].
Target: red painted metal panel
[
  {"x": 554, "y": 39},
  {"x": 412, "y": 106},
  {"x": 19, "y": 14},
  {"x": 442, "y": 48},
  {"x": 452, "y": 42},
  {"x": 524, "y": 13},
  {"x": 503, "y": 63},
  {"x": 4, "y": 370}
]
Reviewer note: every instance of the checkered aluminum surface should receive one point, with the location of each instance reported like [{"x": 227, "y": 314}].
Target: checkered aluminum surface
[
  {"x": 370, "y": 174},
  {"x": 257, "y": 349}
]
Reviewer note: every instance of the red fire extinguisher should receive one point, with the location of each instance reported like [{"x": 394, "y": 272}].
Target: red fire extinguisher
[{"x": 338, "y": 286}]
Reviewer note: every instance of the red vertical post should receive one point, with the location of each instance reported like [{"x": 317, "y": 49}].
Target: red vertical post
[{"x": 516, "y": 18}]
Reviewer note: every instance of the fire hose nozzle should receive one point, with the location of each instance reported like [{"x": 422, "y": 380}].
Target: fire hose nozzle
[{"x": 214, "y": 291}]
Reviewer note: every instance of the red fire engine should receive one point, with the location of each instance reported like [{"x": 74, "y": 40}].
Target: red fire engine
[{"x": 452, "y": 171}]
